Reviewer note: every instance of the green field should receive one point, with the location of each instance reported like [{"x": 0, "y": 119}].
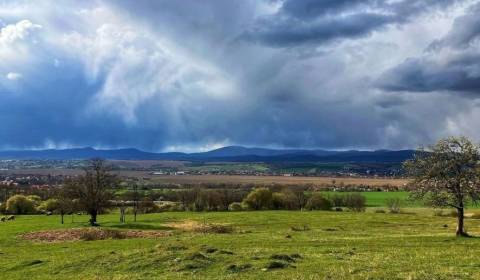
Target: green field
[
  {"x": 378, "y": 199},
  {"x": 337, "y": 245}
]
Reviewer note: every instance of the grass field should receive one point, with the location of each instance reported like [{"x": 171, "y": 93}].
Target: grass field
[
  {"x": 379, "y": 199},
  {"x": 338, "y": 245}
]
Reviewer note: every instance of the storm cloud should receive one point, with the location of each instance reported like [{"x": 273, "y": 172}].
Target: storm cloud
[
  {"x": 318, "y": 22},
  {"x": 450, "y": 64},
  {"x": 192, "y": 75}
]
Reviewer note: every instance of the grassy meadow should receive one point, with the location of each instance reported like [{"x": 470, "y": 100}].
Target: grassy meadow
[{"x": 311, "y": 244}]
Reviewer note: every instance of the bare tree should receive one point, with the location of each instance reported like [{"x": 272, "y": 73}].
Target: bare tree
[
  {"x": 448, "y": 175},
  {"x": 93, "y": 190}
]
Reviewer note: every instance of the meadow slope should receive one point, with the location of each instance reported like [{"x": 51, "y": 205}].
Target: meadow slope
[{"x": 330, "y": 245}]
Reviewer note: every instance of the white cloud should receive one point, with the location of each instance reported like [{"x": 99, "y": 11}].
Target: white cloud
[
  {"x": 137, "y": 66},
  {"x": 13, "y": 76},
  {"x": 19, "y": 31}
]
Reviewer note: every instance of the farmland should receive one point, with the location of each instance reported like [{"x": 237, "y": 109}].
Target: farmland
[
  {"x": 267, "y": 180},
  {"x": 329, "y": 245}
]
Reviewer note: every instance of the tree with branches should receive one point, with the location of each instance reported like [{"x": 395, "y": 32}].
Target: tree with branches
[
  {"x": 447, "y": 175},
  {"x": 93, "y": 189}
]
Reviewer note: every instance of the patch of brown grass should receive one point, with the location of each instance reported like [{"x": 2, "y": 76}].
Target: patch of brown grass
[
  {"x": 474, "y": 215},
  {"x": 194, "y": 226},
  {"x": 89, "y": 234}
]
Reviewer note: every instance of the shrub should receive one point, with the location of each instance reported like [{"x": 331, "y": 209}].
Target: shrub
[
  {"x": 355, "y": 202},
  {"x": 35, "y": 199},
  {"x": 20, "y": 204},
  {"x": 284, "y": 200},
  {"x": 147, "y": 206},
  {"x": 49, "y": 205},
  {"x": 235, "y": 206},
  {"x": 393, "y": 205},
  {"x": 318, "y": 202},
  {"x": 259, "y": 199},
  {"x": 337, "y": 200}
]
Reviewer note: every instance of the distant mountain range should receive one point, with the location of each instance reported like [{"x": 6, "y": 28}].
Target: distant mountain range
[{"x": 225, "y": 154}]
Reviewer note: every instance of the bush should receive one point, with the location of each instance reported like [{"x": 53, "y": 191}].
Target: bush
[
  {"x": 318, "y": 202},
  {"x": 147, "y": 206},
  {"x": 49, "y": 205},
  {"x": 355, "y": 202},
  {"x": 259, "y": 199},
  {"x": 337, "y": 200},
  {"x": 235, "y": 206},
  {"x": 35, "y": 199},
  {"x": 20, "y": 204},
  {"x": 284, "y": 200},
  {"x": 393, "y": 205}
]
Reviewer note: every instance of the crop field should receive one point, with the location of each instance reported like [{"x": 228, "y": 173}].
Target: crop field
[
  {"x": 259, "y": 245},
  {"x": 216, "y": 179},
  {"x": 286, "y": 180}
]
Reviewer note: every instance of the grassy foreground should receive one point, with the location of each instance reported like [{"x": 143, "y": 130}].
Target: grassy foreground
[{"x": 338, "y": 245}]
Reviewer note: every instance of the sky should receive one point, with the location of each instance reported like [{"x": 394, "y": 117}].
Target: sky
[{"x": 162, "y": 75}]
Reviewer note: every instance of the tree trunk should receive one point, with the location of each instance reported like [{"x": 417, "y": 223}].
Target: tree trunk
[
  {"x": 460, "y": 226},
  {"x": 93, "y": 218},
  {"x": 61, "y": 215}
]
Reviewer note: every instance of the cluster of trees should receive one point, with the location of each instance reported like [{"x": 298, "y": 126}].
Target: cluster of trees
[
  {"x": 198, "y": 199},
  {"x": 90, "y": 193},
  {"x": 266, "y": 199}
]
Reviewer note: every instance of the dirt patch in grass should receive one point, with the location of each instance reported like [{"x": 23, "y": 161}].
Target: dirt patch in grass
[
  {"x": 89, "y": 234},
  {"x": 195, "y": 226}
]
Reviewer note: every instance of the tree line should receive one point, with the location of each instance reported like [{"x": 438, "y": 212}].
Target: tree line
[{"x": 446, "y": 174}]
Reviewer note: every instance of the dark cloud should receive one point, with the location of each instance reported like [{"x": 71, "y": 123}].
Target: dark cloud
[
  {"x": 448, "y": 64},
  {"x": 173, "y": 74},
  {"x": 300, "y": 22},
  {"x": 288, "y": 32}
]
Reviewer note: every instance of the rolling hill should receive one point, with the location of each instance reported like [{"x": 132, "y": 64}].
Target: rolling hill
[{"x": 230, "y": 153}]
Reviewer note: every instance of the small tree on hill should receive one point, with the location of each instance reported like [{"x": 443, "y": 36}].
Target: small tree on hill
[
  {"x": 448, "y": 175},
  {"x": 93, "y": 189}
]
